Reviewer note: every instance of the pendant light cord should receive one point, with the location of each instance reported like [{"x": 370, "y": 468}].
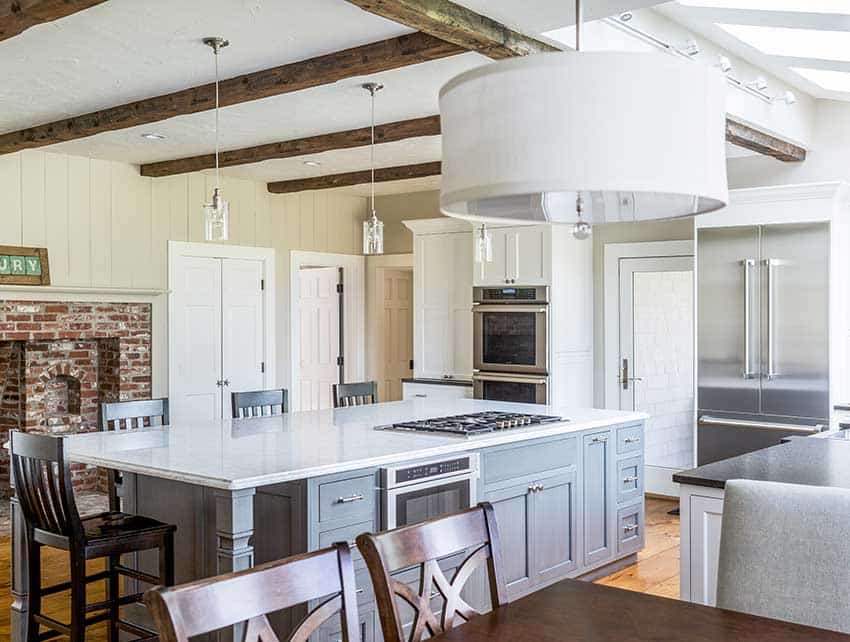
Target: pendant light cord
[
  {"x": 217, "y": 177},
  {"x": 372, "y": 152},
  {"x": 579, "y": 23}
]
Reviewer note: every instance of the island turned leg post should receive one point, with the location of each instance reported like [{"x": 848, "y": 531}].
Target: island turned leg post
[
  {"x": 234, "y": 527},
  {"x": 19, "y": 572}
]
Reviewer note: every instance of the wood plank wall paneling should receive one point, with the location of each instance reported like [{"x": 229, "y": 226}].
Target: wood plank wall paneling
[{"x": 107, "y": 226}]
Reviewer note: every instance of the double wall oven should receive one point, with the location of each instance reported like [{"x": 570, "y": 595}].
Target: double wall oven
[{"x": 511, "y": 343}]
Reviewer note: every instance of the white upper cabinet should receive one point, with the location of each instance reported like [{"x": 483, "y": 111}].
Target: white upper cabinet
[
  {"x": 521, "y": 256},
  {"x": 442, "y": 299}
]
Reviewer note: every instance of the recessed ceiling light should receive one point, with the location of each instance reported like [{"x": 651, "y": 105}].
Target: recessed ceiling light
[
  {"x": 826, "y": 78},
  {"x": 313, "y": 163},
  {"x": 153, "y": 136},
  {"x": 808, "y": 6},
  {"x": 798, "y": 43}
]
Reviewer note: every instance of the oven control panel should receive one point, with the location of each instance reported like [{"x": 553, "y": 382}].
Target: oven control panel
[{"x": 431, "y": 469}]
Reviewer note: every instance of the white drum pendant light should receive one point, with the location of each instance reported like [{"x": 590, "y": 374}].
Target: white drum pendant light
[
  {"x": 217, "y": 211},
  {"x": 583, "y": 138}
]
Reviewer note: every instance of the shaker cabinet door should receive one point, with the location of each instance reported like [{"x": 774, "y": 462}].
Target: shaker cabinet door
[
  {"x": 514, "y": 508},
  {"x": 554, "y": 527},
  {"x": 597, "y": 462}
]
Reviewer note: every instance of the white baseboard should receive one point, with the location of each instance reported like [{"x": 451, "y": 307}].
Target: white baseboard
[{"x": 659, "y": 481}]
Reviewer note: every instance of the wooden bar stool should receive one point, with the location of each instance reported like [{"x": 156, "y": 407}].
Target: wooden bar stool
[
  {"x": 248, "y": 596},
  {"x": 42, "y": 479},
  {"x": 355, "y": 394},
  {"x": 259, "y": 403},
  {"x": 423, "y": 545}
]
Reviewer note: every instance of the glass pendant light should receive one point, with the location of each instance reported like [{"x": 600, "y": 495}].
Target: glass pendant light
[
  {"x": 217, "y": 211},
  {"x": 484, "y": 246},
  {"x": 583, "y": 138},
  {"x": 373, "y": 229}
]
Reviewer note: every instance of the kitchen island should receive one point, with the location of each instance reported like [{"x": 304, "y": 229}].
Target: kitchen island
[
  {"x": 568, "y": 495},
  {"x": 812, "y": 461}
]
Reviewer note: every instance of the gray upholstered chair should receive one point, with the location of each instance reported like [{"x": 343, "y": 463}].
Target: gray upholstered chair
[{"x": 784, "y": 551}]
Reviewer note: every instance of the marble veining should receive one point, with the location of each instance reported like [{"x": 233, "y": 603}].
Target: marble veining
[{"x": 243, "y": 453}]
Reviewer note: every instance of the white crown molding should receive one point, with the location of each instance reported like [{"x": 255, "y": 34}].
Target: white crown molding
[{"x": 795, "y": 192}]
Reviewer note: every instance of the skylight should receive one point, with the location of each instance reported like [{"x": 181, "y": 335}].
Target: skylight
[
  {"x": 826, "y": 78},
  {"x": 809, "y": 6},
  {"x": 798, "y": 43}
]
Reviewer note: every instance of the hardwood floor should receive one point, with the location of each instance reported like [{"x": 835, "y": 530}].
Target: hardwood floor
[{"x": 656, "y": 571}]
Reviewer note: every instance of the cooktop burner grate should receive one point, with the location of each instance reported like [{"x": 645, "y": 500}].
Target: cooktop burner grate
[{"x": 474, "y": 423}]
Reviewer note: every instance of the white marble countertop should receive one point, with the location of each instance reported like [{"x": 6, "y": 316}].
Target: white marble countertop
[{"x": 243, "y": 453}]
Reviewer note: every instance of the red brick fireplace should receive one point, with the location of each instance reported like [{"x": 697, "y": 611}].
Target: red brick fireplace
[{"x": 60, "y": 361}]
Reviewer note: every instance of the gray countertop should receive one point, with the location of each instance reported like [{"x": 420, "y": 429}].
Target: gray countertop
[{"x": 813, "y": 462}]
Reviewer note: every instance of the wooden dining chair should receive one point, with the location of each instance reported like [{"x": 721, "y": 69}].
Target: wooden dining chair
[
  {"x": 42, "y": 477},
  {"x": 422, "y": 545},
  {"x": 355, "y": 394},
  {"x": 130, "y": 415},
  {"x": 259, "y": 403},
  {"x": 248, "y": 596}
]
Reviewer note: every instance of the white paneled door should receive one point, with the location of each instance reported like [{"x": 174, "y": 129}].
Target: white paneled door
[
  {"x": 218, "y": 334},
  {"x": 397, "y": 333},
  {"x": 657, "y": 358},
  {"x": 319, "y": 303}
]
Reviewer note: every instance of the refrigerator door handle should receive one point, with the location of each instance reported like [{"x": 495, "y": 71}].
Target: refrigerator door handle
[
  {"x": 707, "y": 420},
  {"x": 748, "y": 372},
  {"x": 771, "y": 356}
]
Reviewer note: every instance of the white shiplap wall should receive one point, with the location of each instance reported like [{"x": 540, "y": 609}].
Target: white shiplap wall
[{"x": 106, "y": 226}]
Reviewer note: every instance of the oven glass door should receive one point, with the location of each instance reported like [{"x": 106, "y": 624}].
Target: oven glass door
[
  {"x": 511, "y": 338},
  {"x": 419, "y": 504}
]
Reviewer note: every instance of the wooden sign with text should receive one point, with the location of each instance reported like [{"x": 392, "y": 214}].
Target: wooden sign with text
[{"x": 24, "y": 266}]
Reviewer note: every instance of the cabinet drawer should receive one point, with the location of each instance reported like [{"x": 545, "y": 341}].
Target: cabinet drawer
[
  {"x": 346, "y": 534},
  {"x": 629, "y": 479},
  {"x": 521, "y": 461},
  {"x": 331, "y": 631},
  {"x": 347, "y": 498},
  {"x": 630, "y": 527},
  {"x": 629, "y": 439},
  {"x": 435, "y": 391}
]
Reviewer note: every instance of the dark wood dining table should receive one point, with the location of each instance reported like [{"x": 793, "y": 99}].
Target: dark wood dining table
[{"x": 573, "y": 610}]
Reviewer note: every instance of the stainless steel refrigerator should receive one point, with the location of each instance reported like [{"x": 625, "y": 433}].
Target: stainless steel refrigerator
[{"x": 763, "y": 336}]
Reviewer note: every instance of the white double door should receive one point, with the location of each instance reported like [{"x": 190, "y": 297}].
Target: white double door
[{"x": 218, "y": 337}]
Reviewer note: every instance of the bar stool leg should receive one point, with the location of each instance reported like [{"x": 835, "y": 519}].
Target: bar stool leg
[
  {"x": 78, "y": 597},
  {"x": 114, "y": 592},
  {"x": 34, "y": 587},
  {"x": 166, "y": 560}
]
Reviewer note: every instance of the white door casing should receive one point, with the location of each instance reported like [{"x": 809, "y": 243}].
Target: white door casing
[
  {"x": 319, "y": 332},
  {"x": 220, "y": 326},
  {"x": 396, "y": 332}
]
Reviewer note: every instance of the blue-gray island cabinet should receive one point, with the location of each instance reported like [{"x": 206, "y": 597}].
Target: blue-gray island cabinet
[{"x": 568, "y": 496}]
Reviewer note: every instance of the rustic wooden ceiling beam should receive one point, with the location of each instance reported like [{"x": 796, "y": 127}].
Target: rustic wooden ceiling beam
[
  {"x": 743, "y": 135},
  {"x": 457, "y": 24},
  {"x": 376, "y": 57},
  {"x": 16, "y": 16},
  {"x": 382, "y": 175},
  {"x": 386, "y": 133}
]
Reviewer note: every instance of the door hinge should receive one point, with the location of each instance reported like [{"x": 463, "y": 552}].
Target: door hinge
[
  {"x": 411, "y": 364},
  {"x": 340, "y": 361},
  {"x": 262, "y": 366},
  {"x": 262, "y": 284},
  {"x": 339, "y": 288}
]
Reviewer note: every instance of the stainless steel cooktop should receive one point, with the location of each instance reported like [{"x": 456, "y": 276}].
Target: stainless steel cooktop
[{"x": 472, "y": 424}]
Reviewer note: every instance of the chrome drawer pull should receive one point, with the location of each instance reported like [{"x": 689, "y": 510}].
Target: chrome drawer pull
[
  {"x": 631, "y": 479},
  {"x": 535, "y": 488},
  {"x": 599, "y": 440},
  {"x": 359, "y": 591},
  {"x": 632, "y": 440},
  {"x": 349, "y": 500},
  {"x": 630, "y": 528},
  {"x": 419, "y": 394}
]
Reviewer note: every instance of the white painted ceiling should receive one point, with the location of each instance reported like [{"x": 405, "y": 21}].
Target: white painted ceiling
[
  {"x": 791, "y": 18},
  {"x": 125, "y": 50}
]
